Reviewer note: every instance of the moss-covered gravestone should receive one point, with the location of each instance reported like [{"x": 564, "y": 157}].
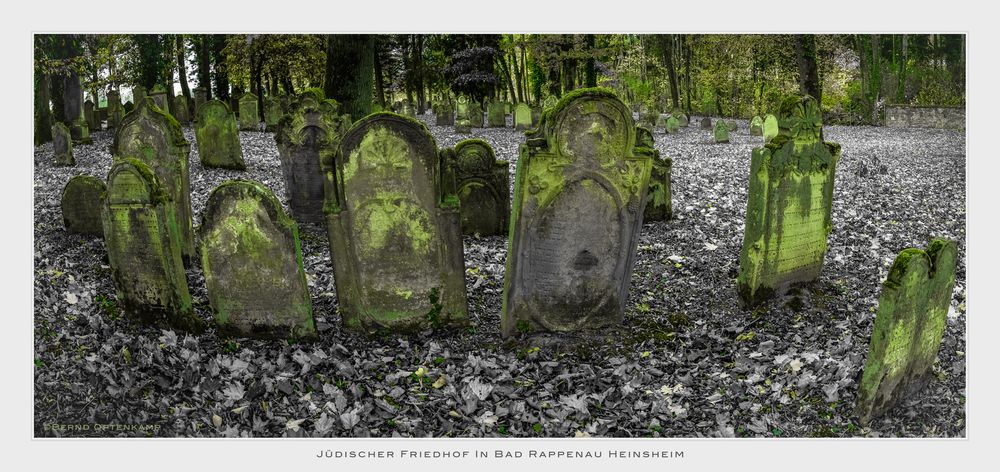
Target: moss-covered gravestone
[
  {"x": 252, "y": 259},
  {"x": 116, "y": 112},
  {"x": 673, "y": 125},
  {"x": 475, "y": 114},
  {"x": 721, "y": 132},
  {"x": 91, "y": 116},
  {"x": 155, "y": 138},
  {"x": 682, "y": 119},
  {"x": 651, "y": 119},
  {"x": 770, "y": 127},
  {"x": 200, "y": 96},
  {"x": 706, "y": 123},
  {"x": 659, "y": 206},
  {"x": 911, "y": 319},
  {"x": 249, "y": 119},
  {"x": 81, "y": 205},
  {"x": 62, "y": 146},
  {"x": 522, "y": 116},
  {"x": 757, "y": 126},
  {"x": 144, "y": 247},
  {"x": 181, "y": 110},
  {"x": 308, "y": 137},
  {"x": 444, "y": 113},
  {"x": 217, "y": 137},
  {"x": 536, "y": 115},
  {"x": 395, "y": 235},
  {"x": 732, "y": 125},
  {"x": 483, "y": 188},
  {"x": 272, "y": 113},
  {"x": 463, "y": 126},
  {"x": 462, "y": 108},
  {"x": 160, "y": 98},
  {"x": 789, "y": 204},
  {"x": 138, "y": 94},
  {"x": 495, "y": 116},
  {"x": 549, "y": 102},
  {"x": 579, "y": 195}
]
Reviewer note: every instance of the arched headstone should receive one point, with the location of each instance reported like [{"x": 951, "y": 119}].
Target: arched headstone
[
  {"x": 495, "y": 116},
  {"x": 706, "y": 123},
  {"x": 81, "y": 205},
  {"x": 475, "y": 114},
  {"x": 770, "y": 128},
  {"x": 91, "y": 116},
  {"x": 757, "y": 126},
  {"x": 682, "y": 118},
  {"x": 62, "y": 146},
  {"x": 181, "y": 110},
  {"x": 462, "y": 108},
  {"x": 483, "y": 188},
  {"x": 673, "y": 125},
  {"x": 272, "y": 113},
  {"x": 522, "y": 116},
  {"x": 217, "y": 137},
  {"x": 160, "y": 98},
  {"x": 721, "y": 132}
]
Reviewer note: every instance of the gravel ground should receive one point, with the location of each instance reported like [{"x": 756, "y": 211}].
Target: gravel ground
[{"x": 688, "y": 362}]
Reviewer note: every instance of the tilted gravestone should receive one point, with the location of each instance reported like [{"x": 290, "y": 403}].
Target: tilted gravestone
[
  {"x": 217, "y": 137},
  {"x": 307, "y": 138},
  {"x": 475, "y": 114},
  {"x": 659, "y": 206},
  {"x": 721, "y": 132},
  {"x": 62, "y": 146},
  {"x": 495, "y": 116},
  {"x": 578, "y": 200},
  {"x": 444, "y": 113},
  {"x": 91, "y": 116},
  {"x": 462, "y": 108},
  {"x": 682, "y": 118},
  {"x": 144, "y": 247},
  {"x": 650, "y": 119},
  {"x": 181, "y": 110},
  {"x": 406, "y": 108},
  {"x": 770, "y": 128},
  {"x": 81, "y": 205},
  {"x": 272, "y": 113},
  {"x": 249, "y": 120},
  {"x": 160, "y": 98},
  {"x": 522, "y": 116},
  {"x": 757, "y": 126},
  {"x": 673, "y": 125},
  {"x": 706, "y": 123},
  {"x": 911, "y": 319},
  {"x": 789, "y": 204},
  {"x": 483, "y": 188},
  {"x": 395, "y": 235},
  {"x": 155, "y": 138},
  {"x": 252, "y": 259}
]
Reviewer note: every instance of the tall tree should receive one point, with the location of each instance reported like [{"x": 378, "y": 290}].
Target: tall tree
[
  {"x": 350, "y": 72},
  {"x": 203, "y": 58},
  {"x": 219, "y": 67},
  {"x": 667, "y": 44},
  {"x": 182, "y": 67},
  {"x": 590, "y": 68},
  {"x": 805, "y": 53}
]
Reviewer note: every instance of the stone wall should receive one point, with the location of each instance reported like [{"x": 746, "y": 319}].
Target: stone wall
[{"x": 900, "y": 116}]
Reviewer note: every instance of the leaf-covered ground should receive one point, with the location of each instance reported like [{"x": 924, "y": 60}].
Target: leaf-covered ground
[{"x": 688, "y": 362}]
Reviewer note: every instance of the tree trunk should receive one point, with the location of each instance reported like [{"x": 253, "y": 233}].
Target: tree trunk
[
  {"x": 379, "y": 79},
  {"x": 687, "y": 73},
  {"x": 182, "y": 68},
  {"x": 590, "y": 69},
  {"x": 901, "y": 71},
  {"x": 43, "y": 115},
  {"x": 418, "y": 64},
  {"x": 350, "y": 72},
  {"x": 505, "y": 69},
  {"x": 876, "y": 76},
  {"x": 668, "y": 60},
  {"x": 805, "y": 52},
  {"x": 220, "y": 71},
  {"x": 203, "y": 56}
]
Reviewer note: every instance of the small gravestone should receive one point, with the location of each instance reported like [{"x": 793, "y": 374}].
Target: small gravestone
[
  {"x": 770, "y": 128},
  {"x": 62, "y": 145},
  {"x": 522, "y": 116},
  {"x": 682, "y": 118},
  {"x": 115, "y": 109},
  {"x": 579, "y": 194},
  {"x": 81, "y": 205},
  {"x": 757, "y": 126},
  {"x": 912, "y": 316},
  {"x": 788, "y": 204},
  {"x": 661, "y": 120},
  {"x": 673, "y": 125},
  {"x": 659, "y": 205},
  {"x": 272, "y": 113},
  {"x": 732, "y": 125},
  {"x": 475, "y": 114},
  {"x": 155, "y": 138},
  {"x": 200, "y": 97},
  {"x": 536, "y": 115},
  {"x": 73, "y": 109},
  {"x": 217, "y": 137},
  {"x": 144, "y": 247},
  {"x": 721, "y": 132},
  {"x": 252, "y": 259},
  {"x": 483, "y": 188},
  {"x": 395, "y": 233},
  {"x": 495, "y": 116},
  {"x": 138, "y": 94},
  {"x": 462, "y": 108},
  {"x": 706, "y": 123},
  {"x": 463, "y": 126},
  {"x": 549, "y": 102},
  {"x": 128, "y": 107},
  {"x": 181, "y": 112},
  {"x": 508, "y": 108},
  {"x": 249, "y": 120},
  {"x": 91, "y": 116},
  {"x": 160, "y": 98},
  {"x": 444, "y": 113},
  {"x": 649, "y": 119}
]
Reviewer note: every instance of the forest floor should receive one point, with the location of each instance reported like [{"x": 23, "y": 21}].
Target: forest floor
[{"x": 687, "y": 362}]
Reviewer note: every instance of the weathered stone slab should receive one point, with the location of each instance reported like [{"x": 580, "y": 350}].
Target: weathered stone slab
[
  {"x": 522, "y": 116},
  {"x": 252, "y": 259},
  {"x": 912, "y": 316},
  {"x": 721, "y": 132},
  {"x": 91, "y": 116},
  {"x": 788, "y": 205},
  {"x": 673, "y": 125},
  {"x": 272, "y": 113},
  {"x": 138, "y": 94},
  {"x": 536, "y": 115},
  {"x": 495, "y": 116},
  {"x": 706, "y": 123},
  {"x": 444, "y": 113},
  {"x": 217, "y": 137},
  {"x": 129, "y": 107},
  {"x": 579, "y": 195},
  {"x": 483, "y": 188},
  {"x": 549, "y": 102},
  {"x": 182, "y": 110},
  {"x": 73, "y": 109},
  {"x": 757, "y": 126},
  {"x": 394, "y": 227},
  {"x": 161, "y": 99},
  {"x": 732, "y": 126},
  {"x": 249, "y": 118},
  {"x": 144, "y": 247},
  {"x": 770, "y": 128},
  {"x": 463, "y": 126},
  {"x": 200, "y": 97},
  {"x": 116, "y": 111},
  {"x": 910, "y": 116},
  {"x": 475, "y": 114},
  {"x": 62, "y": 146},
  {"x": 659, "y": 206},
  {"x": 82, "y": 199},
  {"x": 462, "y": 108},
  {"x": 682, "y": 118}
]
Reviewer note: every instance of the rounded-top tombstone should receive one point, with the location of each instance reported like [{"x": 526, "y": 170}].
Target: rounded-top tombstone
[
  {"x": 770, "y": 128},
  {"x": 249, "y": 118},
  {"x": 217, "y": 137},
  {"x": 81, "y": 205},
  {"x": 721, "y": 132},
  {"x": 483, "y": 188}
]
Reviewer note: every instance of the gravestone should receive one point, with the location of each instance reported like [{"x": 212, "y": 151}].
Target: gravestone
[
  {"x": 217, "y": 137},
  {"x": 252, "y": 259},
  {"x": 522, "y": 116},
  {"x": 138, "y": 94},
  {"x": 181, "y": 110},
  {"x": 721, "y": 132},
  {"x": 732, "y": 125},
  {"x": 155, "y": 138},
  {"x": 706, "y": 123},
  {"x": 444, "y": 112},
  {"x": 483, "y": 188},
  {"x": 249, "y": 120},
  {"x": 463, "y": 126},
  {"x": 395, "y": 235},
  {"x": 912, "y": 316},
  {"x": 462, "y": 108},
  {"x": 160, "y": 98},
  {"x": 200, "y": 96},
  {"x": 549, "y": 102},
  {"x": 770, "y": 128},
  {"x": 579, "y": 194},
  {"x": 508, "y": 108},
  {"x": 91, "y": 116},
  {"x": 475, "y": 114},
  {"x": 81, "y": 205},
  {"x": 62, "y": 146},
  {"x": 659, "y": 205},
  {"x": 128, "y": 108},
  {"x": 682, "y": 118},
  {"x": 307, "y": 138},
  {"x": 406, "y": 108},
  {"x": 673, "y": 125},
  {"x": 116, "y": 111},
  {"x": 661, "y": 120},
  {"x": 101, "y": 114},
  {"x": 144, "y": 247},
  {"x": 649, "y": 119},
  {"x": 788, "y": 204},
  {"x": 495, "y": 116},
  {"x": 73, "y": 109},
  {"x": 757, "y": 126},
  {"x": 272, "y": 113},
  {"x": 536, "y": 115}
]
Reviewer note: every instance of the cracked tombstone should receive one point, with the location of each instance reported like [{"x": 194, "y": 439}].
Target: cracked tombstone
[
  {"x": 522, "y": 117},
  {"x": 217, "y": 137},
  {"x": 579, "y": 193},
  {"x": 144, "y": 247},
  {"x": 155, "y": 138},
  {"x": 252, "y": 259},
  {"x": 444, "y": 113},
  {"x": 394, "y": 228},
  {"x": 757, "y": 126},
  {"x": 249, "y": 120},
  {"x": 659, "y": 206},
  {"x": 721, "y": 132},
  {"x": 911, "y": 320},
  {"x": 81, "y": 204},
  {"x": 770, "y": 127},
  {"x": 181, "y": 110},
  {"x": 483, "y": 188},
  {"x": 307, "y": 137},
  {"x": 706, "y": 123},
  {"x": 788, "y": 205},
  {"x": 62, "y": 146},
  {"x": 495, "y": 116}
]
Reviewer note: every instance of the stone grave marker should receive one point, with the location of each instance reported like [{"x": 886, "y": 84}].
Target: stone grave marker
[
  {"x": 91, "y": 116},
  {"x": 483, "y": 188},
  {"x": 579, "y": 194},
  {"x": 249, "y": 120},
  {"x": 462, "y": 108},
  {"x": 732, "y": 125},
  {"x": 161, "y": 99},
  {"x": 138, "y": 94},
  {"x": 475, "y": 114},
  {"x": 128, "y": 108},
  {"x": 659, "y": 205},
  {"x": 495, "y": 116},
  {"x": 272, "y": 113},
  {"x": 463, "y": 126},
  {"x": 673, "y": 125},
  {"x": 650, "y": 119},
  {"x": 217, "y": 137},
  {"x": 549, "y": 102},
  {"x": 757, "y": 126},
  {"x": 788, "y": 204},
  {"x": 395, "y": 233},
  {"x": 181, "y": 110},
  {"x": 200, "y": 96},
  {"x": 62, "y": 145},
  {"x": 911, "y": 319},
  {"x": 661, "y": 120},
  {"x": 444, "y": 113},
  {"x": 721, "y": 132},
  {"x": 770, "y": 128},
  {"x": 536, "y": 115},
  {"x": 706, "y": 123},
  {"x": 73, "y": 109},
  {"x": 252, "y": 259},
  {"x": 522, "y": 116},
  {"x": 82, "y": 199},
  {"x": 116, "y": 111},
  {"x": 682, "y": 118}
]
